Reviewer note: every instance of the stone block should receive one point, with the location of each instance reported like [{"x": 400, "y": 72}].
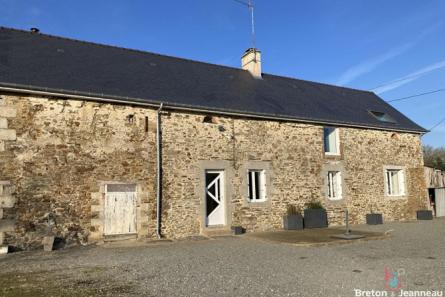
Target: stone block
[
  {"x": 96, "y": 208},
  {"x": 2, "y": 146},
  {"x": 7, "y": 134},
  {"x": 2, "y": 237},
  {"x": 95, "y": 236},
  {"x": 48, "y": 243},
  {"x": 96, "y": 222},
  {"x": 3, "y": 249},
  {"x": 3, "y": 123},
  {"x": 7, "y": 225},
  {"x": 7, "y": 201},
  {"x": 8, "y": 112},
  {"x": 1, "y": 214}
]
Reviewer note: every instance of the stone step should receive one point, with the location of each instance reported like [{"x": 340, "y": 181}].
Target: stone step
[
  {"x": 210, "y": 232},
  {"x": 120, "y": 237},
  {"x": 7, "y": 201}
]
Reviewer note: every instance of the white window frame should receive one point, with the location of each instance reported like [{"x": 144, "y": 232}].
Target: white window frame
[
  {"x": 336, "y": 145},
  {"x": 334, "y": 189},
  {"x": 262, "y": 186},
  {"x": 400, "y": 180}
]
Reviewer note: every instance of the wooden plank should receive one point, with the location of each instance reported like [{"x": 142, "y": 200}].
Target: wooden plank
[
  {"x": 440, "y": 202},
  {"x": 120, "y": 213}
]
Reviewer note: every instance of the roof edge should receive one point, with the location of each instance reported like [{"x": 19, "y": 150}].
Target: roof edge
[{"x": 33, "y": 90}]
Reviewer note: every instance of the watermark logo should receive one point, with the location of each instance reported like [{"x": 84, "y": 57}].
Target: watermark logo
[
  {"x": 393, "y": 280},
  {"x": 396, "y": 286}
]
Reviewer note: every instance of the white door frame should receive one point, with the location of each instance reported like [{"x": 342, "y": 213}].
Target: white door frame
[{"x": 218, "y": 215}]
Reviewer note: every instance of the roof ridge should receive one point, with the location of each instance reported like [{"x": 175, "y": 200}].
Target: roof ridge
[
  {"x": 116, "y": 47},
  {"x": 173, "y": 57}
]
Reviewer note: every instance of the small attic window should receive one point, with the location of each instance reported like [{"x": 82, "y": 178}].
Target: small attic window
[
  {"x": 382, "y": 117},
  {"x": 209, "y": 119}
]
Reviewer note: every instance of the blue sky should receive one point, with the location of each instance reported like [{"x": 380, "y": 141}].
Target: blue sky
[{"x": 355, "y": 43}]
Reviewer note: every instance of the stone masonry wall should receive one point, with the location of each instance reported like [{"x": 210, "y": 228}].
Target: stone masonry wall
[
  {"x": 292, "y": 155},
  {"x": 66, "y": 150}
]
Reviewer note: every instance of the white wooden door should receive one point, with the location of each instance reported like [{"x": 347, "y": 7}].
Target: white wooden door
[
  {"x": 215, "y": 202},
  {"x": 120, "y": 209},
  {"x": 440, "y": 202}
]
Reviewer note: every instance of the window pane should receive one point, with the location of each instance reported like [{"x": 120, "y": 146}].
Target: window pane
[
  {"x": 334, "y": 185},
  {"x": 250, "y": 185},
  {"x": 326, "y": 139},
  {"x": 395, "y": 182},
  {"x": 257, "y": 185},
  {"x": 330, "y": 140},
  {"x": 388, "y": 182}
]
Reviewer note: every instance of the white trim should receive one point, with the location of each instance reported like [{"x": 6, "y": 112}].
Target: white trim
[
  {"x": 334, "y": 185},
  {"x": 262, "y": 186},
  {"x": 401, "y": 181}
]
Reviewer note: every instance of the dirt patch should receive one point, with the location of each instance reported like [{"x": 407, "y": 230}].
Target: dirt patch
[
  {"x": 88, "y": 282},
  {"x": 313, "y": 237}
]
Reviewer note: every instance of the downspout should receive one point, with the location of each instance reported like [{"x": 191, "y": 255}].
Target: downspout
[{"x": 158, "y": 172}]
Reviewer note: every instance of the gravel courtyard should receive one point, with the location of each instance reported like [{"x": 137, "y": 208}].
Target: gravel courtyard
[{"x": 232, "y": 266}]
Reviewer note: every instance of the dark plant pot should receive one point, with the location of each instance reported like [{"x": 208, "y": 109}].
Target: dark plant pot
[
  {"x": 374, "y": 219},
  {"x": 238, "y": 230},
  {"x": 293, "y": 222},
  {"x": 315, "y": 218},
  {"x": 424, "y": 214}
]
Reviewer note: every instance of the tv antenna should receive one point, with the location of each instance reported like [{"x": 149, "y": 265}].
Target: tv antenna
[{"x": 249, "y": 5}]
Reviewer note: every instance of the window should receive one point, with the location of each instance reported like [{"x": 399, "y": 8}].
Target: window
[
  {"x": 395, "y": 182},
  {"x": 382, "y": 117},
  {"x": 257, "y": 185},
  {"x": 334, "y": 185},
  {"x": 331, "y": 141}
]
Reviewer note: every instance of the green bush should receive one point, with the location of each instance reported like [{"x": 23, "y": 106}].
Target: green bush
[
  {"x": 292, "y": 210},
  {"x": 314, "y": 205}
]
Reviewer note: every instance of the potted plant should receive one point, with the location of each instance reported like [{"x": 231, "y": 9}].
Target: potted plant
[
  {"x": 315, "y": 216},
  {"x": 293, "y": 220},
  {"x": 424, "y": 214},
  {"x": 374, "y": 218}
]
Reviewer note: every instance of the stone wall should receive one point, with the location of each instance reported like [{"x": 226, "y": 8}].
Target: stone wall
[
  {"x": 292, "y": 155},
  {"x": 66, "y": 150}
]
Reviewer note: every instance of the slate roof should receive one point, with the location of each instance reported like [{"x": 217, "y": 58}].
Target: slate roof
[{"x": 37, "y": 61}]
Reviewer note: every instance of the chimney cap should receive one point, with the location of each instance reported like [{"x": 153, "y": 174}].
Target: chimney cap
[
  {"x": 34, "y": 30},
  {"x": 251, "y": 49}
]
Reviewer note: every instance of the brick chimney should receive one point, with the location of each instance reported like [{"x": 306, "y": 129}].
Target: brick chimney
[{"x": 251, "y": 61}]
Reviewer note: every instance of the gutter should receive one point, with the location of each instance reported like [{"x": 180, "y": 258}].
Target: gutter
[
  {"x": 158, "y": 171},
  {"x": 155, "y": 103}
]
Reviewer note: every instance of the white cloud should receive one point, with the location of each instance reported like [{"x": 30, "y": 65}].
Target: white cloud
[
  {"x": 409, "y": 78},
  {"x": 367, "y": 66}
]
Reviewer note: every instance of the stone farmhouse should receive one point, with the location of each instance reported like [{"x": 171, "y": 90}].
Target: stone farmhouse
[{"x": 99, "y": 143}]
